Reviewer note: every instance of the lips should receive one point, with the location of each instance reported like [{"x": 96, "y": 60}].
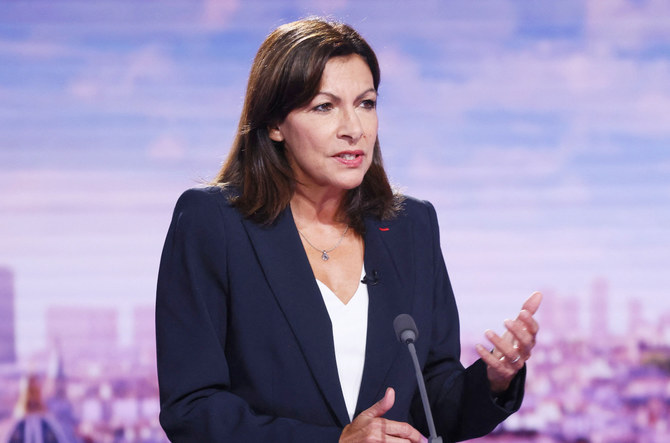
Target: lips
[{"x": 350, "y": 158}]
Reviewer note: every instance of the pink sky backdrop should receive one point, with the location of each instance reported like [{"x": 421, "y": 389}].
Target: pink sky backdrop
[{"x": 540, "y": 130}]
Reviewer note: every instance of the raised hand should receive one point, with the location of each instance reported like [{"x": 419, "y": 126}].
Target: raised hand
[{"x": 513, "y": 349}]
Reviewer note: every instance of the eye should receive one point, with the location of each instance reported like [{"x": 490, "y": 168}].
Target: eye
[
  {"x": 323, "y": 107},
  {"x": 369, "y": 104}
]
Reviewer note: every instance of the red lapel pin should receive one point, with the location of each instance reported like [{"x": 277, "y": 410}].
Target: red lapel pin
[{"x": 384, "y": 229}]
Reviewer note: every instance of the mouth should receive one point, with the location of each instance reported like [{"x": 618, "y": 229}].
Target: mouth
[
  {"x": 350, "y": 159},
  {"x": 349, "y": 155}
]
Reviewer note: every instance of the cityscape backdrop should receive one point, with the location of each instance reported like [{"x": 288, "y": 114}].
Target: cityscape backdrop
[{"x": 539, "y": 129}]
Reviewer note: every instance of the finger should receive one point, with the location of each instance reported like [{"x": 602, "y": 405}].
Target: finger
[
  {"x": 530, "y": 306},
  {"x": 528, "y": 321},
  {"x": 507, "y": 337},
  {"x": 383, "y": 405},
  {"x": 392, "y": 439},
  {"x": 523, "y": 342},
  {"x": 487, "y": 356},
  {"x": 524, "y": 329},
  {"x": 533, "y": 302},
  {"x": 500, "y": 364},
  {"x": 504, "y": 356},
  {"x": 499, "y": 368},
  {"x": 500, "y": 344},
  {"x": 508, "y": 353},
  {"x": 403, "y": 431}
]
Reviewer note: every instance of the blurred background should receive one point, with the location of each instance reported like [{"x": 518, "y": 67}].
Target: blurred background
[{"x": 539, "y": 129}]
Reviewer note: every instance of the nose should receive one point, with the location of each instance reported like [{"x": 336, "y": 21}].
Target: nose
[{"x": 350, "y": 127}]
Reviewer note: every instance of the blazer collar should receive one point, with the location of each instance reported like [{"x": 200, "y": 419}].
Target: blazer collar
[
  {"x": 290, "y": 277},
  {"x": 388, "y": 253}
]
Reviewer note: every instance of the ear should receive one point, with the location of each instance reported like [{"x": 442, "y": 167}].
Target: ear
[{"x": 275, "y": 133}]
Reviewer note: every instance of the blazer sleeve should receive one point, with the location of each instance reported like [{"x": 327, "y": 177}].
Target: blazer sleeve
[
  {"x": 461, "y": 398},
  {"x": 194, "y": 381}
]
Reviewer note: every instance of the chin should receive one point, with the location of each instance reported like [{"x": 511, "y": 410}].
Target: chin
[{"x": 350, "y": 184}]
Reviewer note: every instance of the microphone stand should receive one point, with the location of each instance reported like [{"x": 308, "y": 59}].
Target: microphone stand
[
  {"x": 407, "y": 333},
  {"x": 424, "y": 396}
]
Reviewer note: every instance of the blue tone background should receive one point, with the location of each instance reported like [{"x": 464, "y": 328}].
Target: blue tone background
[{"x": 539, "y": 129}]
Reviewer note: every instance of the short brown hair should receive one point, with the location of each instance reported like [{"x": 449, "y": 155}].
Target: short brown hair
[{"x": 286, "y": 75}]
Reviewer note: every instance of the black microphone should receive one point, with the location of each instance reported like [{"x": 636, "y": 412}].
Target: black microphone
[
  {"x": 407, "y": 333},
  {"x": 372, "y": 280}
]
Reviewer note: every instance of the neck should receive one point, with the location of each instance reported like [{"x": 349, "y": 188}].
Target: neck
[{"x": 321, "y": 208}]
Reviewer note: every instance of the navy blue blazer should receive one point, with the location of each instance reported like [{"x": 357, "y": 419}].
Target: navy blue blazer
[{"x": 244, "y": 341}]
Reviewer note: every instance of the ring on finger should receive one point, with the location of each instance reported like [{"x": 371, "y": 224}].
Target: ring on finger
[{"x": 518, "y": 357}]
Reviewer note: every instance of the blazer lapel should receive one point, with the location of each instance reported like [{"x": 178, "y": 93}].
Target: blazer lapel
[
  {"x": 287, "y": 270},
  {"x": 388, "y": 252}
]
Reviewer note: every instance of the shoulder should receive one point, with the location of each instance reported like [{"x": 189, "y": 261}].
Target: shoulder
[
  {"x": 204, "y": 219},
  {"x": 199, "y": 200},
  {"x": 413, "y": 205},
  {"x": 203, "y": 208},
  {"x": 419, "y": 212},
  {"x": 205, "y": 196},
  {"x": 414, "y": 216}
]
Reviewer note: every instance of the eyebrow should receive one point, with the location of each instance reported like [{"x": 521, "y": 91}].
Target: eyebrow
[{"x": 335, "y": 97}]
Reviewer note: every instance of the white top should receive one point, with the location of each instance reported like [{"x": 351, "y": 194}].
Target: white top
[{"x": 350, "y": 331}]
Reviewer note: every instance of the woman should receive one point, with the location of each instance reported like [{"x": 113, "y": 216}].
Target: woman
[{"x": 278, "y": 286}]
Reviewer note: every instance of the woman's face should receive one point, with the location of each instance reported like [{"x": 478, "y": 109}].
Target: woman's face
[{"x": 329, "y": 142}]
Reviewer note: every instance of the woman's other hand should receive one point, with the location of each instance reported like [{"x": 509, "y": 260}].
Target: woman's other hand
[
  {"x": 511, "y": 351},
  {"x": 370, "y": 426}
]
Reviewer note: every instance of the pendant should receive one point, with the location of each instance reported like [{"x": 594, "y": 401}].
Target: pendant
[{"x": 325, "y": 256}]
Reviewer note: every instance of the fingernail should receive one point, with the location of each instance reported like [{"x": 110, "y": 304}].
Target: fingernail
[
  {"x": 508, "y": 322},
  {"x": 489, "y": 334}
]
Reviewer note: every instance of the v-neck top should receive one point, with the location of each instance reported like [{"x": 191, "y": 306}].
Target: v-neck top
[{"x": 350, "y": 328}]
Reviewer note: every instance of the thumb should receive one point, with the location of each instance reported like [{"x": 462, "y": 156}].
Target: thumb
[{"x": 383, "y": 405}]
